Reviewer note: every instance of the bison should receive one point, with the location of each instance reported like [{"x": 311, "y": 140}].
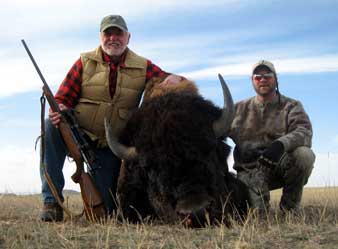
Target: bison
[{"x": 175, "y": 158}]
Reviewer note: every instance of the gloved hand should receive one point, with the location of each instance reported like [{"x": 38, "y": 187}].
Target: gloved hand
[{"x": 272, "y": 155}]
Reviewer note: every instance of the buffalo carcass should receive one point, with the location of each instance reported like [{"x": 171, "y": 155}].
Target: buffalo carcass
[{"x": 175, "y": 158}]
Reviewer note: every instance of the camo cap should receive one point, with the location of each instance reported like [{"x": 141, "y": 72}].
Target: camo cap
[
  {"x": 113, "y": 21},
  {"x": 265, "y": 63}
]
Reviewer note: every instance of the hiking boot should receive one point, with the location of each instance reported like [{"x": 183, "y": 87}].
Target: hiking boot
[{"x": 51, "y": 212}]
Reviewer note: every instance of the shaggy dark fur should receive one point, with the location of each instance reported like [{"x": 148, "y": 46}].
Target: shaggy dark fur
[{"x": 182, "y": 166}]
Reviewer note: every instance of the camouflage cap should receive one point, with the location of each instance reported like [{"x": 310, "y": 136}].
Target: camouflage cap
[
  {"x": 113, "y": 21},
  {"x": 265, "y": 63}
]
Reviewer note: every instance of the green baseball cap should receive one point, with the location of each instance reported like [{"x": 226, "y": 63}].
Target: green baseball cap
[
  {"x": 264, "y": 63},
  {"x": 113, "y": 21}
]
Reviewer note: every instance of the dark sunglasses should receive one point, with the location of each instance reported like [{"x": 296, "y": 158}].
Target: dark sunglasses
[{"x": 267, "y": 76}]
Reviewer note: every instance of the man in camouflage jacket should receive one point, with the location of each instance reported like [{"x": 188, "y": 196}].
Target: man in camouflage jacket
[{"x": 273, "y": 136}]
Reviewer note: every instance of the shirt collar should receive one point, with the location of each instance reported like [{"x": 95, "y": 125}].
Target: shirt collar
[
  {"x": 121, "y": 59},
  {"x": 272, "y": 102}
]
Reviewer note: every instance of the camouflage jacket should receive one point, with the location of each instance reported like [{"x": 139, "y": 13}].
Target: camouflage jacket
[{"x": 257, "y": 124}]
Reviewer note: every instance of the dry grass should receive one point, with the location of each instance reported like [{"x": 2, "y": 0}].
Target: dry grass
[{"x": 316, "y": 228}]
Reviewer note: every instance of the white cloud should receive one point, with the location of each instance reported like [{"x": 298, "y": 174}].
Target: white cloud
[
  {"x": 208, "y": 53},
  {"x": 55, "y": 65},
  {"x": 21, "y": 75},
  {"x": 38, "y": 16},
  {"x": 325, "y": 172},
  {"x": 18, "y": 123},
  {"x": 20, "y": 171},
  {"x": 324, "y": 63}
]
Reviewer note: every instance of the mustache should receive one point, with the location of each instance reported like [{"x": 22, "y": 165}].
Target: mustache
[{"x": 113, "y": 43}]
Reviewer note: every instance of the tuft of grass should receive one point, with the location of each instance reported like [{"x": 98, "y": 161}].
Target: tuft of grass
[{"x": 316, "y": 227}]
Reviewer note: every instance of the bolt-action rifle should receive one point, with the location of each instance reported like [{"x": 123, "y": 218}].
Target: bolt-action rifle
[{"x": 79, "y": 149}]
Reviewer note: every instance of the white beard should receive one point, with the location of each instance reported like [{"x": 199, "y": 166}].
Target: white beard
[{"x": 111, "y": 51}]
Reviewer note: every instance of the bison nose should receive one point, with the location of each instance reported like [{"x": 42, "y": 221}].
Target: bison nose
[{"x": 192, "y": 202}]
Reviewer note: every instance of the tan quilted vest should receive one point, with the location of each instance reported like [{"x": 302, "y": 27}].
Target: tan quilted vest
[{"x": 95, "y": 103}]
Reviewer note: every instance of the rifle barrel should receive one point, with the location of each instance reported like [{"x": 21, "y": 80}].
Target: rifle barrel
[
  {"x": 34, "y": 63},
  {"x": 46, "y": 88}
]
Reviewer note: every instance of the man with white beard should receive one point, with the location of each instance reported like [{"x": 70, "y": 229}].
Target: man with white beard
[{"x": 107, "y": 82}]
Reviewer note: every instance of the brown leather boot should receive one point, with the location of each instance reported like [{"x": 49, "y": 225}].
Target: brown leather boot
[{"x": 51, "y": 212}]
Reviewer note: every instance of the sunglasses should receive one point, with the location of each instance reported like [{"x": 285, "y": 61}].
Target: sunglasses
[{"x": 267, "y": 76}]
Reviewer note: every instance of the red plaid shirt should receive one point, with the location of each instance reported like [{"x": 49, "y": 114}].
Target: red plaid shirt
[{"x": 70, "y": 88}]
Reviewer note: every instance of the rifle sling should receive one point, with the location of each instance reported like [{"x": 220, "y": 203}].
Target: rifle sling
[{"x": 47, "y": 176}]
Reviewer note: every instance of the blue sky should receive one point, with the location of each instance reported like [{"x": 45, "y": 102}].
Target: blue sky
[{"x": 197, "y": 39}]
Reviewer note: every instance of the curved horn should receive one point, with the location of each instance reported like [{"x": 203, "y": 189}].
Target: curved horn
[
  {"x": 222, "y": 125},
  {"x": 120, "y": 150}
]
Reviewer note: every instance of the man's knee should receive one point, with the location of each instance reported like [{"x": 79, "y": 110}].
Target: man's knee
[
  {"x": 304, "y": 159},
  {"x": 299, "y": 164}
]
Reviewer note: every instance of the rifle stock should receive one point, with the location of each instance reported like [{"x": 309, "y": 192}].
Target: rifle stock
[
  {"x": 93, "y": 204},
  {"x": 77, "y": 149}
]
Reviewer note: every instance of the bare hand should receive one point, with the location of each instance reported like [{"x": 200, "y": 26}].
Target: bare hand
[
  {"x": 55, "y": 117},
  {"x": 172, "y": 79}
]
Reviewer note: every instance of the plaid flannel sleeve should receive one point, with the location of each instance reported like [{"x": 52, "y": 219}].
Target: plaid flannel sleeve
[
  {"x": 154, "y": 71},
  {"x": 69, "y": 90}
]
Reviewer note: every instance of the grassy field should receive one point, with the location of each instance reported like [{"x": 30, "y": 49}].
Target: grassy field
[{"x": 316, "y": 228}]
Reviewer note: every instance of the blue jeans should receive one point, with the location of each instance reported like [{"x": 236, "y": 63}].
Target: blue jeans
[{"x": 105, "y": 173}]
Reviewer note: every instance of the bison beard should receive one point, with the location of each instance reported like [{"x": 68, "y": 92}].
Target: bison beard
[{"x": 181, "y": 169}]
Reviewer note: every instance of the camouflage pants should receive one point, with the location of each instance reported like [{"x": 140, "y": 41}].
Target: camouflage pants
[{"x": 291, "y": 174}]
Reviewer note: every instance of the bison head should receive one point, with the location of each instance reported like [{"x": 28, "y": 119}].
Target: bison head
[{"x": 174, "y": 154}]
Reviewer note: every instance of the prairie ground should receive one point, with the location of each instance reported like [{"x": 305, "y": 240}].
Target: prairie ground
[{"x": 317, "y": 227}]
